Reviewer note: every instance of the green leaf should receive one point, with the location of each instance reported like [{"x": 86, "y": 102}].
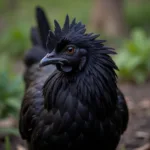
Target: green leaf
[
  {"x": 7, "y": 143},
  {"x": 9, "y": 131},
  {"x": 133, "y": 57}
]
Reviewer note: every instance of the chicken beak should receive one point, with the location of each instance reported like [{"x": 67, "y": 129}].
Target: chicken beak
[{"x": 51, "y": 60}]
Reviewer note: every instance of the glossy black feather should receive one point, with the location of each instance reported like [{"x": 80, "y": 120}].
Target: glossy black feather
[
  {"x": 79, "y": 110},
  {"x": 43, "y": 25},
  {"x": 34, "y": 36}
]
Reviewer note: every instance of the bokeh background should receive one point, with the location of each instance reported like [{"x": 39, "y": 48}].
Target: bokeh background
[{"x": 125, "y": 24}]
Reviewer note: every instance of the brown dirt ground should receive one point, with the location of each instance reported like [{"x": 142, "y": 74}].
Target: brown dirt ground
[{"x": 138, "y": 132}]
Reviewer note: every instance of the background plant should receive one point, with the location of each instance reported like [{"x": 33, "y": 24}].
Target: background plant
[{"x": 133, "y": 57}]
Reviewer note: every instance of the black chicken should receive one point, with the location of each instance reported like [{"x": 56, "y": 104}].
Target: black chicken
[{"x": 75, "y": 102}]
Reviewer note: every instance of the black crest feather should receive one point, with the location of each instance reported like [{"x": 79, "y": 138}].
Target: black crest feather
[
  {"x": 73, "y": 33},
  {"x": 43, "y": 24}
]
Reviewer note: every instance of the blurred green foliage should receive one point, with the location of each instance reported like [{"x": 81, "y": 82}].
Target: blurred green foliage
[
  {"x": 133, "y": 57},
  {"x": 15, "y": 41},
  {"x": 137, "y": 14},
  {"x": 9, "y": 131},
  {"x": 7, "y": 143},
  {"x": 11, "y": 88}
]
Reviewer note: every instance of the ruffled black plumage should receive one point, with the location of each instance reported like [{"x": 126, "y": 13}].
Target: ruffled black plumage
[
  {"x": 79, "y": 110},
  {"x": 72, "y": 33}
]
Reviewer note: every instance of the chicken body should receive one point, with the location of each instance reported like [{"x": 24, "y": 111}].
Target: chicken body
[{"x": 83, "y": 109}]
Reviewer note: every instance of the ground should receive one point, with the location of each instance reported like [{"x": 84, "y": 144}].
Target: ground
[
  {"x": 138, "y": 132},
  {"x": 137, "y": 136}
]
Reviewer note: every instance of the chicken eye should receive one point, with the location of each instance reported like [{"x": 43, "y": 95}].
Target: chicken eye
[{"x": 70, "y": 50}]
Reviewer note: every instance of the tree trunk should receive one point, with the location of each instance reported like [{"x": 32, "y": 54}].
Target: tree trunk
[{"x": 108, "y": 17}]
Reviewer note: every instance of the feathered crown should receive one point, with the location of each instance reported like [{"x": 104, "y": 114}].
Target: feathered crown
[{"x": 70, "y": 33}]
